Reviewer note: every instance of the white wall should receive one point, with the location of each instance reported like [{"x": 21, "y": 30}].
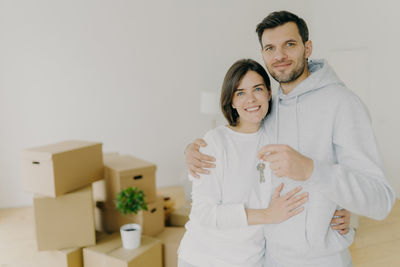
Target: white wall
[
  {"x": 368, "y": 33},
  {"x": 126, "y": 73},
  {"x": 129, "y": 73}
]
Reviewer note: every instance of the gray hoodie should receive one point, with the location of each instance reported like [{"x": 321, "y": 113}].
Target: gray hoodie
[{"x": 328, "y": 123}]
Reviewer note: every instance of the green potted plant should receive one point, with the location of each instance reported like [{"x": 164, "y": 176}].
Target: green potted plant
[{"x": 128, "y": 201}]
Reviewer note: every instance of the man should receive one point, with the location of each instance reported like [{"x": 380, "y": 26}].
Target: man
[{"x": 322, "y": 131}]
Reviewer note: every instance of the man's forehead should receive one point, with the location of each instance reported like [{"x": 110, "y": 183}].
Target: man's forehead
[{"x": 281, "y": 34}]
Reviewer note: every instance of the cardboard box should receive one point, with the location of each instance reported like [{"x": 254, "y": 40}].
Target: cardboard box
[
  {"x": 56, "y": 169},
  {"x": 151, "y": 220},
  {"x": 171, "y": 238},
  {"x": 180, "y": 216},
  {"x": 109, "y": 252},
  {"x": 175, "y": 194},
  {"x": 72, "y": 257},
  {"x": 126, "y": 171},
  {"x": 66, "y": 221}
]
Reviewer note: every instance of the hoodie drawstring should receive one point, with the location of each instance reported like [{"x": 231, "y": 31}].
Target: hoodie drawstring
[{"x": 297, "y": 126}]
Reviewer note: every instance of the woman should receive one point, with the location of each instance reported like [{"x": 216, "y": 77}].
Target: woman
[{"x": 231, "y": 204}]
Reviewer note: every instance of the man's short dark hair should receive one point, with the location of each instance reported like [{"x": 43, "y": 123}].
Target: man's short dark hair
[
  {"x": 231, "y": 82},
  {"x": 279, "y": 18}
]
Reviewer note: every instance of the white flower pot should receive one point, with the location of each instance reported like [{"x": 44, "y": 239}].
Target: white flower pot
[{"x": 130, "y": 235}]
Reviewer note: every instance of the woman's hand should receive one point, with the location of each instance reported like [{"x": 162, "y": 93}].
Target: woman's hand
[
  {"x": 283, "y": 207},
  {"x": 196, "y": 161},
  {"x": 341, "y": 221}
]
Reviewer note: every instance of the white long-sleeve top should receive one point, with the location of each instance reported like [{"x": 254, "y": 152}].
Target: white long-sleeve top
[{"x": 217, "y": 232}]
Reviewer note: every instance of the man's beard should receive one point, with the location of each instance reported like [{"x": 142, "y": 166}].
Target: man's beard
[{"x": 292, "y": 76}]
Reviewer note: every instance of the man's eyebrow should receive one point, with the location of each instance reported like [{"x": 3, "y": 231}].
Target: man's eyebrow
[
  {"x": 287, "y": 41},
  {"x": 266, "y": 46}
]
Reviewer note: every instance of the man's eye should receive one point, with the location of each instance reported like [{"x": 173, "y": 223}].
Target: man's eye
[
  {"x": 267, "y": 49},
  {"x": 259, "y": 89},
  {"x": 290, "y": 44}
]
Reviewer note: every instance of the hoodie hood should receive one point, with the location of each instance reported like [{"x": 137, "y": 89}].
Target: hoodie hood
[{"x": 321, "y": 75}]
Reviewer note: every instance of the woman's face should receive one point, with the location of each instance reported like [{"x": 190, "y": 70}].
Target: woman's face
[{"x": 251, "y": 100}]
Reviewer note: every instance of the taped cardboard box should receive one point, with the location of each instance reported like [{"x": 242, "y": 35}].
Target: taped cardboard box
[
  {"x": 109, "y": 252},
  {"x": 66, "y": 221},
  {"x": 126, "y": 171},
  {"x": 56, "y": 169},
  {"x": 171, "y": 238},
  {"x": 151, "y": 220},
  {"x": 180, "y": 216}
]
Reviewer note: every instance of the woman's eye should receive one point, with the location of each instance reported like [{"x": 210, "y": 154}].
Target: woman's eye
[
  {"x": 239, "y": 93},
  {"x": 290, "y": 44},
  {"x": 259, "y": 89}
]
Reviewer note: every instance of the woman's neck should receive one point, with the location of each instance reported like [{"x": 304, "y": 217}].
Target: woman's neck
[{"x": 246, "y": 127}]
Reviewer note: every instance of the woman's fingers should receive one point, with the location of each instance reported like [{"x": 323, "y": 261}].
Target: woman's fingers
[
  {"x": 297, "y": 204},
  {"x": 297, "y": 198},
  {"x": 292, "y": 192},
  {"x": 295, "y": 212},
  {"x": 278, "y": 191}
]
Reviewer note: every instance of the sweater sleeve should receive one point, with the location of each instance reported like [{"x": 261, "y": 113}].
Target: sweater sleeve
[
  {"x": 357, "y": 181},
  {"x": 207, "y": 207}
]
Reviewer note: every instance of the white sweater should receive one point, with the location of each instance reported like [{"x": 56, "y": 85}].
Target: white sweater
[{"x": 217, "y": 232}]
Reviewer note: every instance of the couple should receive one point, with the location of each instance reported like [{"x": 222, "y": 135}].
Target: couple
[{"x": 318, "y": 154}]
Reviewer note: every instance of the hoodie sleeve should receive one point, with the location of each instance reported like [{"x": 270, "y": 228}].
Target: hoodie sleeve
[
  {"x": 207, "y": 207},
  {"x": 357, "y": 182}
]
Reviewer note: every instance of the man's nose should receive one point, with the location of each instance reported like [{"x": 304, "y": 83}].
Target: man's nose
[{"x": 280, "y": 54}]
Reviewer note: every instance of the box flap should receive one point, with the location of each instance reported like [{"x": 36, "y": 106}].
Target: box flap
[
  {"x": 172, "y": 235},
  {"x": 48, "y": 151},
  {"x": 126, "y": 163},
  {"x": 112, "y": 246}
]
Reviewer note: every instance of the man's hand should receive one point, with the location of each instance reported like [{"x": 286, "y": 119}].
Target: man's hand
[
  {"x": 342, "y": 222},
  {"x": 285, "y": 161},
  {"x": 196, "y": 161},
  {"x": 283, "y": 207}
]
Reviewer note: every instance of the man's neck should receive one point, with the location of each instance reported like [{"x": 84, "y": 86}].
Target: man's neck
[{"x": 288, "y": 87}]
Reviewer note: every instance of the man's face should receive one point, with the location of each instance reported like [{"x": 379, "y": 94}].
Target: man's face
[{"x": 284, "y": 53}]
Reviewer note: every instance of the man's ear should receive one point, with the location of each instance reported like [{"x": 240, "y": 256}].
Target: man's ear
[{"x": 308, "y": 48}]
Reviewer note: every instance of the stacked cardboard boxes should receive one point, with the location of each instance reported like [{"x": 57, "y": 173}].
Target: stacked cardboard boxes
[
  {"x": 60, "y": 176},
  {"x": 174, "y": 198},
  {"x": 72, "y": 200},
  {"x": 121, "y": 172},
  {"x": 180, "y": 216}
]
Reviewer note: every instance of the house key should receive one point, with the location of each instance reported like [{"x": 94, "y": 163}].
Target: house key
[{"x": 260, "y": 168}]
